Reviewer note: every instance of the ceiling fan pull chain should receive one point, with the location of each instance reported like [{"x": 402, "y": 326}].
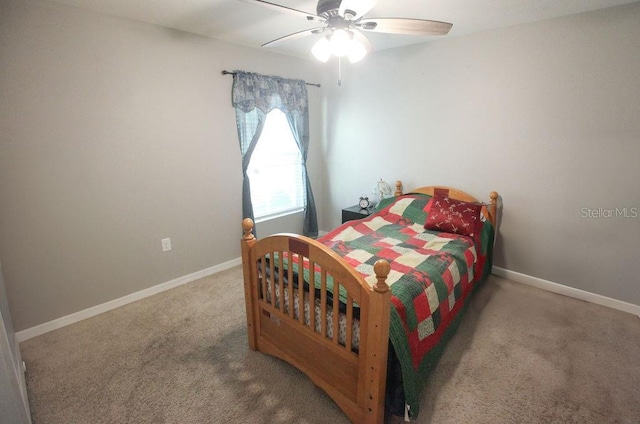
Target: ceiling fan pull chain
[{"x": 339, "y": 71}]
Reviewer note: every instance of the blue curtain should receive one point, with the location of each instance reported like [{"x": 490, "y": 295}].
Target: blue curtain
[{"x": 253, "y": 97}]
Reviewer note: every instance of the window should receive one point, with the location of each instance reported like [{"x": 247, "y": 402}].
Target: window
[{"x": 276, "y": 172}]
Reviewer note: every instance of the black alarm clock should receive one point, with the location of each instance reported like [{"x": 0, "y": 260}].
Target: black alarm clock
[{"x": 364, "y": 202}]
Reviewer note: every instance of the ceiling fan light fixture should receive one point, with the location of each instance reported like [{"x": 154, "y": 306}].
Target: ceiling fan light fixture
[
  {"x": 356, "y": 51},
  {"x": 340, "y": 42},
  {"x": 322, "y": 49}
]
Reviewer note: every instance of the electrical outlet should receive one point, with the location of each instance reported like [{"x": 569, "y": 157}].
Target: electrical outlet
[{"x": 166, "y": 244}]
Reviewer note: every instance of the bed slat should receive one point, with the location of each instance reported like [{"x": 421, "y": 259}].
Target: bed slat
[
  {"x": 349, "y": 335},
  {"x": 312, "y": 296},
  {"x": 290, "y": 286},
  {"x": 336, "y": 311},
  {"x": 323, "y": 303},
  {"x": 301, "y": 289},
  {"x": 280, "y": 276},
  {"x": 263, "y": 279},
  {"x": 272, "y": 281}
]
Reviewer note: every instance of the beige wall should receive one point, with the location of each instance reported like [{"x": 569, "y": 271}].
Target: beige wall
[
  {"x": 114, "y": 135},
  {"x": 546, "y": 113}
]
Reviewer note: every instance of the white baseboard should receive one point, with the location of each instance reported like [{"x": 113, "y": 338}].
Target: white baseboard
[
  {"x": 116, "y": 303},
  {"x": 566, "y": 290}
]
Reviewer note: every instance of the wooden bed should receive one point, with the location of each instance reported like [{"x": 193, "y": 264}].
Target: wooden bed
[{"x": 354, "y": 378}]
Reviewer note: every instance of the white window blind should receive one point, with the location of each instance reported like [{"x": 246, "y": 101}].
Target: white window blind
[{"x": 275, "y": 172}]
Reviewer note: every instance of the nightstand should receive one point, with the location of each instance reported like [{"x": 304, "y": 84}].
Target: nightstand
[{"x": 355, "y": 212}]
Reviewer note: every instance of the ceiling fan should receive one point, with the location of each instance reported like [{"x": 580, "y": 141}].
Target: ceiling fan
[{"x": 343, "y": 21}]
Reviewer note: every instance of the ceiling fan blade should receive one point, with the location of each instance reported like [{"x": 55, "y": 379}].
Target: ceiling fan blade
[
  {"x": 285, "y": 9},
  {"x": 359, "y": 8},
  {"x": 294, "y": 36},
  {"x": 404, "y": 26}
]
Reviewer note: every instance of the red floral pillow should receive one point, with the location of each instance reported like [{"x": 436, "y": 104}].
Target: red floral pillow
[{"x": 453, "y": 216}]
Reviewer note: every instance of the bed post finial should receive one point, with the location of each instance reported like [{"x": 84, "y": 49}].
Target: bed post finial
[
  {"x": 249, "y": 240},
  {"x": 381, "y": 268},
  {"x": 398, "y": 191},
  {"x": 247, "y": 227},
  {"x": 375, "y": 366},
  {"x": 493, "y": 207}
]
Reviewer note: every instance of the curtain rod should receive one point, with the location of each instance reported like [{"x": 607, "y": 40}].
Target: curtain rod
[{"x": 225, "y": 72}]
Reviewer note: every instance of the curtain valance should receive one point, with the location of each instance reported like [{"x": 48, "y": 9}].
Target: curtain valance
[{"x": 251, "y": 90}]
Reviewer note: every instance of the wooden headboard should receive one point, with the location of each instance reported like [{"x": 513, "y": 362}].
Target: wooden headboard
[{"x": 488, "y": 210}]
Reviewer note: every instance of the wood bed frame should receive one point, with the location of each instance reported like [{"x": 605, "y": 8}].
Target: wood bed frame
[{"x": 356, "y": 381}]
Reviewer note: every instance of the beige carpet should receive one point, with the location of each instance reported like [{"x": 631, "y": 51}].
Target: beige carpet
[{"x": 521, "y": 355}]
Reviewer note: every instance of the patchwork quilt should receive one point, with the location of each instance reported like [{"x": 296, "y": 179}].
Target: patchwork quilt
[{"x": 432, "y": 275}]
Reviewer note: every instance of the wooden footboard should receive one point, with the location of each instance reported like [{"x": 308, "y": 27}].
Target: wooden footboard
[{"x": 354, "y": 378}]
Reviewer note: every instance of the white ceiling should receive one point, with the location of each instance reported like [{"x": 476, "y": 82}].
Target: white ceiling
[{"x": 253, "y": 25}]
